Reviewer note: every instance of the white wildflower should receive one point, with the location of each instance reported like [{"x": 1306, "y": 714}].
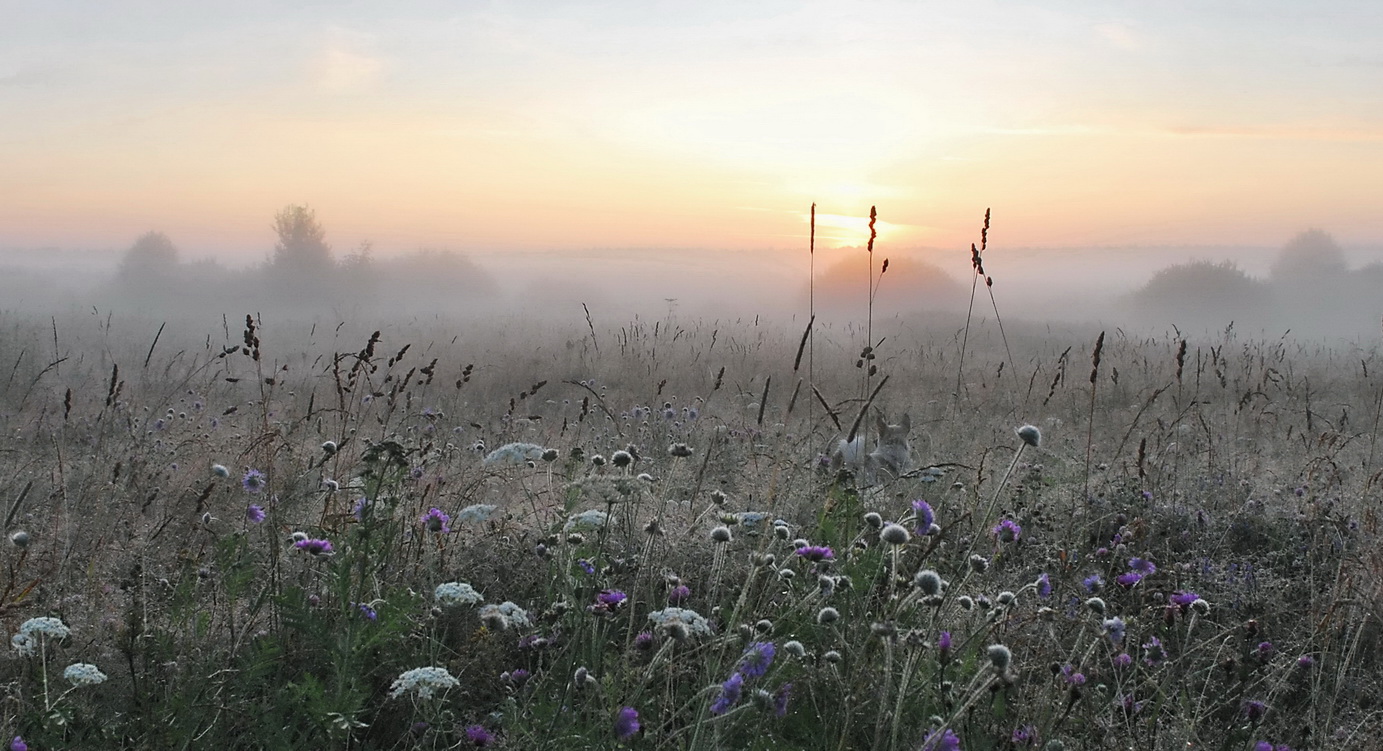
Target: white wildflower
[
  {"x": 590, "y": 519},
  {"x": 53, "y": 628},
  {"x": 514, "y": 453},
  {"x": 689, "y": 619},
  {"x": 83, "y": 674},
  {"x": 452, "y": 594},
  {"x": 504, "y": 616},
  {"x": 478, "y": 512},
  {"x": 423, "y": 682}
]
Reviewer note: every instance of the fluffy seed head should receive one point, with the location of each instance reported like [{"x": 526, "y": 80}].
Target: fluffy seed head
[
  {"x": 999, "y": 656},
  {"x": 827, "y": 615},
  {"x": 928, "y": 582},
  {"x": 894, "y": 534},
  {"x": 721, "y": 534},
  {"x": 1030, "y": 435}
]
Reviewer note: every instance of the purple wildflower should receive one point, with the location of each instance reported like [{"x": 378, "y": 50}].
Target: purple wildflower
[
  {"x": 943, "y": 643},
  {"x": 816, "y": 553},
  {"x": 1154, "y": 653},
  {"x": 368, "y": 612},
  {"x": 679, "y": 594},
  {"x": 1093, "y": 583},
  {"x": 1044, "y": 586},
  {"x": 518, "y": 676},
  {"x": 730, "y": 692},
  {"x": 436, "y": 520},
  {"x": 1254, "y": 710},
  {"x": 925, "y": 515},
  {"x": 1114, "y": 628},
  {"x": 626, "y": 723},
  {"x": 757, "y": 658},
  {"x": 362, "y": 508},
  {"x": 780, "y": 700},
  {"x": 610, "y": 597},
  {"x": 1266, "y": 650},
  {"x": 586, "y": 566},
  {"x": 945, "y": 740},
  {"x": 253, "y": 481},
  {"x": 1024, "y": 735},
  {"x": 1128, "y": 579},
  {"x": 1305, "y": 661},
  {"x": 1142, "y": 566},
  {"x": 1123, "y": 660},
  {"x": 255, "y": 513},
  {"x": 1072, "y": 676},
  {"x": 315, "y": 547},
  {"x": 478, "y": 736},
  {"x": 18, "y": 744},
  {"x": 1007, "y": 531},
  {"x": 643, "y": 641},
  {"x": 1183, "y": 599}
]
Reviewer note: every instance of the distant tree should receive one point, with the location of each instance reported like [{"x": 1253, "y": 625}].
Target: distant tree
[
  {"x": 152, "y": 256},
  {"x": 1312, "y": 256},
  {"x": 1203, "y": 293},
  {"x": 149, "y": 269},
  {"x": 302, "y": 253}
]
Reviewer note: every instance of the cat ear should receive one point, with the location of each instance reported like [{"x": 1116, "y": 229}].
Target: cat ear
[{"x": 880, "y": 421}]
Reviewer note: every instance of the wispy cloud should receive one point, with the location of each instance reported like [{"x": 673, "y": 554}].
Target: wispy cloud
[{"x": 344, "y": 65}]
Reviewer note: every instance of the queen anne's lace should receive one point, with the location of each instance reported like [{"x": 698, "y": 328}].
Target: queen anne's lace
[
  {"x": 83, "y": 674},
  {"x": 423, "y": 682},
  {"x": 695, "y": 623},
  {"x": 452, "y": 594}
]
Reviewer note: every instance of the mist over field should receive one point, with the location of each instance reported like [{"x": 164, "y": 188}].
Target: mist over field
[{"x": 1310, "y": 287}]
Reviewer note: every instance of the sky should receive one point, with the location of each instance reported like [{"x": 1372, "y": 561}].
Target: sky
[{"x": 562, "y": 125}]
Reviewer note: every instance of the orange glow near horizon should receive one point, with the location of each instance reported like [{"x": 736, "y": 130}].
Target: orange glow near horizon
[{"x": 583, "y": 129}]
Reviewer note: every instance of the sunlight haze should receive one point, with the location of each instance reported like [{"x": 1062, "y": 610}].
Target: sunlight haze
[{"x": 535, "y": 125}]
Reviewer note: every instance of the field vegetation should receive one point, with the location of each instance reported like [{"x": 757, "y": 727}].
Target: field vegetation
[{"x": 521, "y": 534}]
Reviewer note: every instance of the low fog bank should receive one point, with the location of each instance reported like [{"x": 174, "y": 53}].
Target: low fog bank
[{"x": 1310, "y": 286}]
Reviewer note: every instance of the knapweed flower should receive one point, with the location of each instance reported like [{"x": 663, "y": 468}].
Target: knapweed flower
[
  {"x": 367, "y": 611},
  {"x": 1142, "y": 566},
  {"x": 362, "y": 508},
  {"x": 83, "y": 674},
  {"x": 1266, "y": 650},
  {"x": 1123, "y": 660},
  {"x": 730, "y": 692},
  {"x": 478, "y": 736},
  {"x": 253, "y": 481},
  {"x": 609, "y": 599},
  {"x": 815, "y": 553},
  {"x": 1024, "y": 735},
  {"x": 254, "y": 514},
  {"x": 757, "y": 659},
  {"x": 585, "y": 565},
  {"x": 315, "y": 547},
  {"x": 1007, "y": 531},
  {"x": 944, "y": 740},
  {"x": 1072, "y": 676},
  {"x": 423, "y": 682},
  {"x": 679, "y": 594},
  {"x": 943, "y": 643},
  {"x": 18, "y": 744},
  {"x": 643, "y": 641},
  {"x": 1128, "y": 579},
  {"x": 436, "y": 520},
  {"x": 626, "y": 723},
  {"x": 1254, "y": 710},
  {"x": 1093, "y": 583},
  {"x": 1044, "y": 586}
]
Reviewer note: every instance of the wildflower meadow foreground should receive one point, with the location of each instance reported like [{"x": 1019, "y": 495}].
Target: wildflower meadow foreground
[{"x": 298, "y": 535}]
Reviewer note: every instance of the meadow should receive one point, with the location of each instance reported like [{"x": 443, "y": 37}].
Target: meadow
[{"x": 589, "y": 534}]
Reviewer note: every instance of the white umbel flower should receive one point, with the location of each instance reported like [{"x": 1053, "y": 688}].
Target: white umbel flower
[
  {"x": 691, "y": 620},
  {"x": 423, "y": 682},
  {"x": 83, "y": 674},
  {"x": 453, "y": 594}
]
